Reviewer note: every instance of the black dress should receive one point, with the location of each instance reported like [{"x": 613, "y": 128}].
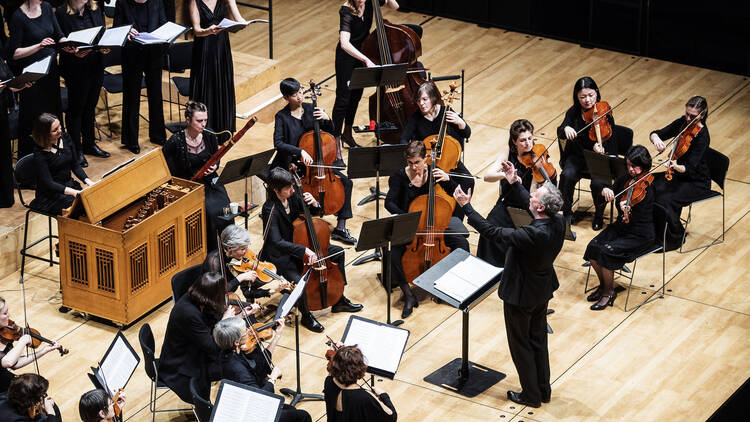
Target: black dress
[
  {"x": 5, "y": 375},
  {"x": 621, "y": 242},
  {"x": 684, "y": 188},
  {"x": 418, "y": 128},
  {"x": 44, "y": 95},
  {"x": 53, "y": 176},
  {"x": 185, "y": 164},
  {"x": 357, "y": 405},
  {"x": 211, "y": 70},
  {"x": 6, "y": 156}
]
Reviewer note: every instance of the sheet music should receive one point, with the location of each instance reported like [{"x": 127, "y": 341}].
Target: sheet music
[
  {"x": 294, "y": 296},
  {"x": 228, "y": 23},
  {"x": 239, "y": 404},
  {"x": 84, "y": 36},
  {"x": 114, "y": 37},
  {"x": 464, "y": 278},
  {"x": 118, "y": 366},
  {"x": 168, "y": 31},
  {"x": 42, "y": 66},
  {"x": 382, "y": 345}
]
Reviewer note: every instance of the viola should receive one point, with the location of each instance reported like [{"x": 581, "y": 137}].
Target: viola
[
  {"x": 116, "y": 407},
  {"x": 683, "y": 143},
  {"x": 258, "y": 332},
  {"x": 13, "y": 332},
  {"x": 601, "y": 130},
  {"x": 636, "y": 192},
  {"x": 266, "y": 270},
  {"x": 447, "y": 148},
  {"x": 320, "y": 180},
  {"x": 539, "y": 154},
  {"x": 330, "y": 353}
]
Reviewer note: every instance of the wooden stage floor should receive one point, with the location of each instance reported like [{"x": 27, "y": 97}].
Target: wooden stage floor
[{"x": 677, "y": 358}]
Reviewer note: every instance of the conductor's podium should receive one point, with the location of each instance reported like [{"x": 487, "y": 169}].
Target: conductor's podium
[{"x": 125, "y": 238}]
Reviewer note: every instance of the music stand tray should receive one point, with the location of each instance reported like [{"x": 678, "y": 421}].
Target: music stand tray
[
  {"x": 242, "y": 169},
  {"x": 604, "y": 168},
  {"x": 369, "y": 161},
  {"x": 519, "y": 216},
  {"x": 388, "y": 74}
]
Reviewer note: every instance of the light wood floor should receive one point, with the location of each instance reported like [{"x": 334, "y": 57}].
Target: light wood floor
[{"x": 677, "y": 358}]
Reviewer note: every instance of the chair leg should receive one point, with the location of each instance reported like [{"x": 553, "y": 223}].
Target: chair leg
[
  {"x": 49, "y": 231},
  {"x": 586, "y": 286},
  {"x": 687, "y": 223},
  {"x": 630, "y": 285},
  {"x": 25, "y": 239}
]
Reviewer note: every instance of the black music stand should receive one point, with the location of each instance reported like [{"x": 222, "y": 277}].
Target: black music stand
[
  {"x": 244, "y": 168},
  {"x": 372, "y": 162},
  {"x": 382, "y": 233},
  {"x": 378, "y": 77},
  {"x": 460, "y": 375},
  {"x": 606, "y": 169}
]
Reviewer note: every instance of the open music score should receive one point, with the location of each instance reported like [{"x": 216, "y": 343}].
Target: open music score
[
  {"x": 239, "y": 402},
  {"x": 466, "y": 277},
  {"x": 117, "y": 365},
  {"x": 381, "y": 344}
]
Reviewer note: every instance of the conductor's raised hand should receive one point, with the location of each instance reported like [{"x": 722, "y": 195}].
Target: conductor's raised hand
[
  {"x": 462, "y": 197},
  {"x": 511, "y": 174}
]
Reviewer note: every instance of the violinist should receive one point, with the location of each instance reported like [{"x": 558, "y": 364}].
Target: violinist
[
  {"x": 426, "y": 121},
  {"x": 290, "y": 123},
  {"x": 12, "y": 354},
  {"x": 573, "y": 164},
  {"x": 627, "y": 238},
  {"x": 520, "y": 143},
  {"x": 345, "y": 400},
  {"x": 691, "y": 175},
  {"x": 27, "y": 401},
  {"x": 97, "y": 406},
  {"x": 403, "y": 187},
  {"x": 254, "y": 368},
  {"x": 186, "y": 152},
  {"x": 188, "y": 345},
  {"x": 279, "y": 212}
]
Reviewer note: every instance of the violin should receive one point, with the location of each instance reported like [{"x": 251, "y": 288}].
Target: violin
[
  {"x": 330, "y": 353},
  {"x": 259, "y": 332},
  {"x": 266, "y": 270},
  {"x": 601, "y": 130},
  {"x": 636, "y": 193},
  {"x": 448, "y": 149},
  {"x": 540, "y": 154},
  {"x": 320, "y": 180},
  {"x": 13, "y": 332},
  {"x": 116, "y": 407},
  {"x": 683, "y": 143}
]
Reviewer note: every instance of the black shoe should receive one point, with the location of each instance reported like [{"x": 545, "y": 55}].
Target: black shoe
[
  {"x": 610, "y": 302},
  {"x": 82, "y": 160},
  {"x": 546, "y": 398},
  {"x": 345, "y": 305},
  {"x": 569, "y": 234},
  {"x": 516, "y": 398},
  {"x": 96, "y": 152},
  {"x": 410, "y": 302},
  {"x": 595, "y": 295},
  {"x": 135, "y": 149},
  {"x": 308, "y": 321},
  {"x": 343, "y": 236},
  {"x": 598, "y": 223}
]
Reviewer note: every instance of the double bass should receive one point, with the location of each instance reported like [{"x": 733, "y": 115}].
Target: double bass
[
  {"x": 320, "y": 180},
  {"x": 393, "y": 44},
  {"x": 447, "y": 148}
]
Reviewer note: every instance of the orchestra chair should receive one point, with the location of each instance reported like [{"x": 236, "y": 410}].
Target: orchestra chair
[
  {"x": 718, "y": 165},
  {"x": 109, "y": 9},
  {"x": 202, "y": 407},
  {"x": 178, "y": 60},
  {"x": 112, "y": 83},
  {"x": 25, "y": 178},
  {"x": 151, "y": 366},
  {"x": 182, "y": 281}
]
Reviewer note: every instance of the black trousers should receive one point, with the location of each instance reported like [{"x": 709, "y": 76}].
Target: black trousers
[
  {"x": 137, "y": 62},
  {"x": 84, "y": 87},
  {"x": 574, "y": 169},
  {"x": 289, "y": 413},
  {"x": 41, "y": 97},
  {"x": 345, "y": 106},
  {"x": 6, "y": 161},
  {"x": 345, "y": 212},
  {"x": 527, "y": 340}
]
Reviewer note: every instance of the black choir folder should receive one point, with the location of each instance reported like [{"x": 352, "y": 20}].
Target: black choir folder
[
  {"x": 381, "y": 344},
  {"x": 31, "y": 73},
  {"x": 116, "y": 367},
  {"x": 240, "y": 402}
]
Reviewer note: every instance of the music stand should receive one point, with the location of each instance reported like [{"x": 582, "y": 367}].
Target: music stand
[
  {"x": 382, "y": 233},
  {"x": 372, "y": 162},
  {"x": 378, "y": 77},
  {"x": 606, "y": 169},
  {"x": 244, "y": 168}
]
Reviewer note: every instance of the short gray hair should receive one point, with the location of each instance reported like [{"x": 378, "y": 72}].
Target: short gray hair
[
  {"x": 234, "y": 237},
  {"x": 552, "y": 199},
  {"x": 227, "y": 331}
]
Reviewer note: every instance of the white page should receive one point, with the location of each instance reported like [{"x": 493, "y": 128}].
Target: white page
[
  {"x": 294, "y": 296},
  {"x": 38, "y": 67},
  {"x": 455, "y": 286},
  {"x": 168, "y": 31},
  {"x": 146, "y": 38},
  {"x": 113, "y": 37},
  {"x": 475, "y": 270},
  {"x": 381, "y": 345},
  {"x": 238, "y": 404},
  {"x": 118, "y": 366},
  {"x": 226, "y": 23},
  {"x": 84, "y": 35}
]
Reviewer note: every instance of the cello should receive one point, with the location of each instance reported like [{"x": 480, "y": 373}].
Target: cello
[
  {"x": 428, "y": 246},
  {"x": 320, "y": 180},
  {"x": 325, "y": 286},
  {"x": 393, "y": 44},
  {"x": 447, "y": 148}
]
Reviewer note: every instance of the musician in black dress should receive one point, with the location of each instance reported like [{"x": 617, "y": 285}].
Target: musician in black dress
[
  {"x": 138, "y": 62},
  {"x": 186, "y": 152},
  {"x": 6, "y": 154},
  {"x": 520, "y": 142},
  {"x": 27, "y": 396},
  {"x": 254, "y": 368},
  {"x": 409, "y": 183},
  {"x": 572, "y": 161},
  {"x": 189, "y": 350},
  {"x": 528, "y": 282},
  {"x": 622, "y": 242},
  {"x": 280, "y": 210},
  {"x": 691, "y": 175},
  {"x": 426, "y": 121},
  {"x": 33, "y": 33},
  {"x": 345, "y": 400},
  {"x": 291, "y": 122},
  {"x": 355, "y": 20},
  {"x": 97, "y": 406},
  {"x": 54, "y": 160}
]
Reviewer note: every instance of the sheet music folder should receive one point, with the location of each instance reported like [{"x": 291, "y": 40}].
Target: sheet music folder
[
  {"x": 116, "y": 367},
  {"x": 363, "y": 160},
  {"x": 385, "y": 75},
  {"x": 240, "y": 402},
  {"x": 245, "y": 167},
  {"x": 381, "y": 344},
  {"x": 605, "y": 168}
]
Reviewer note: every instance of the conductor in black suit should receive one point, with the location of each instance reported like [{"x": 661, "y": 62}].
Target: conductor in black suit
[{"x": 528, "y": 282}]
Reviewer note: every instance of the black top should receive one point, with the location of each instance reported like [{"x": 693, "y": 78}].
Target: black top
[
  {"x": 696, "y": 168},
  {"x": 248, "y": 369},
  {"x": 574, "y": 119},
  {"x": 357, "y": 405},
  {"x": 179, "y": 160},
  {"x": 25, "y": 32},
  {"x": 358, "y": 27},
  {"x": 287, "y": 131},
  {"x": 69, "y": 63},
  {"x": 529, "y": 276},
  {"x": 53, "y": 169},
  {"x": 8, "y": 413},
  {"x": 418, "y": 128},
  {"x": 641, "y": 221},
  {"x": 127, "y": 12},
  {"x": 6, "y": 95},
  {"x": 401, "y": 192}
]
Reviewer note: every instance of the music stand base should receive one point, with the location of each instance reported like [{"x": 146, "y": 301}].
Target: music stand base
[
  {"x": 480, "y": 378},
  {"x": 375, "y": 256},
  {"x": 371, "y": 197},
  {"x": 298, "y": 396}
]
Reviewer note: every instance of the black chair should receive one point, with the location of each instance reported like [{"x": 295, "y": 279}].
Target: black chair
[
  {"x": 202, "y": 407},
  {"x": 112, "y": 83},
  {"x": 182, "y": 281},
  {"x": 151, "y": 366},
  {"x": 178, "y": 60},
  {"x": 25, "y": 178},
  {"x": 718, "y": 165}
]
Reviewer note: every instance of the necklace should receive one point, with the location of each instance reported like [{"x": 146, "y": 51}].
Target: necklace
[{"x": 195, "y": 145}]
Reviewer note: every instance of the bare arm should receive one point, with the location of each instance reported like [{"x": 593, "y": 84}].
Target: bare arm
[
  {"x": 195, "y": 21},
  {"x": 347, "y": 46},
  {"x": 495, "y": 172},
  {"x": 391, "y": 4},
  {"x": 235, "y": 11}
]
